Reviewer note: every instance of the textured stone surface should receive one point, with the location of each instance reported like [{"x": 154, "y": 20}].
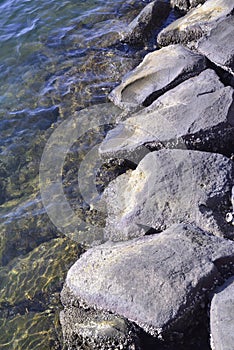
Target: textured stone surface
[
  {"x": 222, "y": 317},
  {"x": 171, "y": 186},
  {"x": 218, "y": 47},
  {"x": 157, "y": 281},
  {"x": 148, "y": 19},
  {"x": 185, "y": 5},
  {"x": 196, "y": 114},
  {"x": 197, "y": 23},
  {"x": 152, "y": 76}
]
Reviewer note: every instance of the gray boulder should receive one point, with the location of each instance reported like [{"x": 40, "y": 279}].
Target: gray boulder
[
  {"x": 197, "y": 23},
  {"x": 197, "y": 114},
  {"x": 168, "y": 187},
  {"x": 185, "y": 5},
  {"x": 157, "y": 281},
  {"x": 222, "y": 317},
  {"x": 158, "y": 72},
  {"x": 218, "y": 46},
  {"x": 148, "y": 19}
]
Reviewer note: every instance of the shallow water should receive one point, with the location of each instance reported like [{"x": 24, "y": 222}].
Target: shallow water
[{"x": 56, "y": 57}]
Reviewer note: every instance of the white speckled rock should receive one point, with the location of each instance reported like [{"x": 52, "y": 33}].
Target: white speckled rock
[
  {"x": 222, "y": 317},
  {"x": 171, "y": 186}
]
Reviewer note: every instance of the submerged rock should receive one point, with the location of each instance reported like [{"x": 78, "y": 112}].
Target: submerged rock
[
  {"x": 196, "y": 114},
  {"x": 157, "y": 281},
  {"x": 167, "y": 187},
  {"x": 197, "y": 23},
  {"x": 158, "y": 72},
  {"x": 148, "y": 19},
  {"x": 222, "y": 317}
]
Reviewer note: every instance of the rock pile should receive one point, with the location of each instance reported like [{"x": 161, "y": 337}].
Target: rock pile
[{"x": 170, "y": 227}]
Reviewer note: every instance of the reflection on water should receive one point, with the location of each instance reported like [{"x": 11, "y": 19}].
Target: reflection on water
[{"x": 56, "y": 57}]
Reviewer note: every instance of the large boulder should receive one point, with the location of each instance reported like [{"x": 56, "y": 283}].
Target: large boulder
[
  {"x": 158, "y": 72},
  {"x": 196, "y": 23},
  {"x": 197, "y": 114},
  {"x": 185, "y": 5},
  {"x": 167, "y": 187},
  {"x": 151, "y": 17},
  {"x": 157, "y": 281},
  {"x": 222, "y": 317}
]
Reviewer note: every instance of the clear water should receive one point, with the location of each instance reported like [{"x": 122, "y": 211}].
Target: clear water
[{"x": 56, "y": 57}]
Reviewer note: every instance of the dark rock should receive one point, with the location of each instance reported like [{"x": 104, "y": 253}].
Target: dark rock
[
  {"x": 171, "y": 186},
  {"x": 222, "y": 317},
  {"x": 197, "y": 114},
  {"x": 157, "y": 281},
  {"x": 218, "y": 46},
  {"x": 158, "y": 72},
  {"x": 185, "y": 5},
  {"x": 197, "y": 23},
  {"x": 88, "y": 328},
  {"x": 148, "y": 19}
]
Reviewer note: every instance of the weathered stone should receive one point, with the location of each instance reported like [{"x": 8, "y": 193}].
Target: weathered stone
[
  {"x": 158, "y": 72},
  {"x": 148, "y": 19},
  {"x": 88, "y": 328},
  {"x": 185, "y": 5},
  {"x": 222, "y": 317},
  {"x": 171, "y": 186},
  {"x": 156, "y": 281},
  {"x": 218, "y": 46},
  {"x": 197, "y": 114},
  {"x": 197, "y": 23}
]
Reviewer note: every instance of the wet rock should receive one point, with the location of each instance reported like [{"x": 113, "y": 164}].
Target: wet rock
[
  {"x": 185, "y": 5},
  {"x": 88, "y": 328},
  {"x": 197, "y": 23},
  {"x": 157, "y": 281},
  {"x": 158, "y": 72},
  {"x": 218, "y": 46},
  {"x": 148, "y": 19},
  {"x": 167, "y": 187},
  {"x": 196, "y": 114},
  {"x": 222, "y": 317}
]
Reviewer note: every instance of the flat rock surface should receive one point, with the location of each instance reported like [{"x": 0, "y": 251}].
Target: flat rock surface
[
  {"x": 218, "y": 46},
  {"x": 222, "y": 317},
  {"x": 196, "y": 23},
  {"x": 195, "y": 114},
  {"x": 159, "y": 71},
  {"x": 168, "y": 187},
  {"x": 157, "y": 281}
]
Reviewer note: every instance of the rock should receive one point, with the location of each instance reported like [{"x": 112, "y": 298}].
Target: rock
[
  {"x": 168, "y": 187},
  {"x": 152, "y": 16},
  {"x": 157, "y": 281},
  {"x": 197, "y": 114},
  {"x": 218, "y": 46},
  {"x": 197, "y": 23},
  {"x": 158, "y": 72},
  {"x": 222, "y": 317},
  {"x": 88, "y": 328},
  {"x": 185, "y": 5}
]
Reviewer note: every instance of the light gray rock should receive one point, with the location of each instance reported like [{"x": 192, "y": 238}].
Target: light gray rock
[
  {"x": 197, "y": 114},
  {"x": 196, "y": 23},
  {"x": 156, "y": 281},
  {"x": 222, "y": 317},
  {"x": 168, "y": 187},
  {"x": 158, "y": 72},
  {"x": 218, "y": 46},
  {"x": 185, "y": 5},
  {"x": 148, "y": 19}
]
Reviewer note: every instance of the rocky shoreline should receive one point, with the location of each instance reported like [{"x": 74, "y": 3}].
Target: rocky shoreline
[{"x": 164, "y": 278}]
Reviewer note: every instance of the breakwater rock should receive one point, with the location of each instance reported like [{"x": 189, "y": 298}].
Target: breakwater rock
[{"x": 169, "y": 226}]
